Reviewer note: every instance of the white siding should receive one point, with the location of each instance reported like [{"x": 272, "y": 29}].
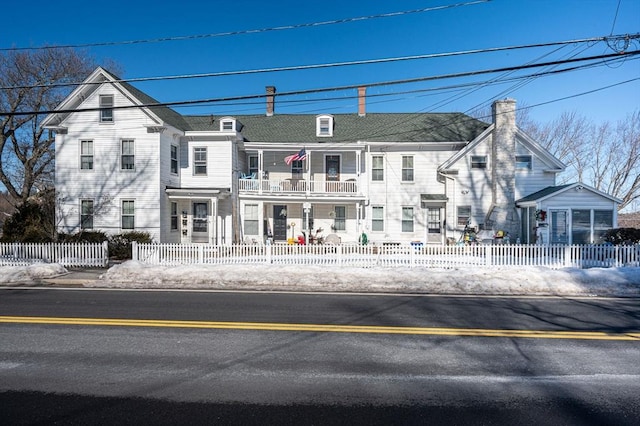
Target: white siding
[{"x": 107, "y": 184}]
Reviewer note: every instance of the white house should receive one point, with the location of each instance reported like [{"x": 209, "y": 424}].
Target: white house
[{"x": 123, "y": 163}]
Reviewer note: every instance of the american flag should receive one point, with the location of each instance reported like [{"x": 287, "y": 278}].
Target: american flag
[{"x": 300, "y": 155}]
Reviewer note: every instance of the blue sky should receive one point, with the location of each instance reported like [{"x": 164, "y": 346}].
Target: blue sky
[{"x": 491, "y": 24}]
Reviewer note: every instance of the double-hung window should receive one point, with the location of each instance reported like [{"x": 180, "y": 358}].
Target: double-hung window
[
  {"x": 86, "y": 155},
  {"x": 523, "y": 162},
  {"x": 106, "y": 108},
  {"x": 251, "y": 219},
  {"x": 377, "y": 168},
  {"x": 296, "y": 168},
  {"x": 478, "y": 161},
  {"x": 174, "y": 216},
  {"x": 340, "y": 219},
  {"x": 407, "y": 219},
  {"x": 407, "y": 168},
  {"x": 128, "y": 214},
  {"x": 174, "y": 159},
  {"x": 200, "y": 161},
  {"x": 127, "y": 161},
  {"x": 464, "y": 214},
  {"x": 377, "y": 218},
  {"x": 86, "y": 214}
]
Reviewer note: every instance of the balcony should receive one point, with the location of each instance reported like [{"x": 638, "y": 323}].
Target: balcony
[{"x": 298, "y": 186}]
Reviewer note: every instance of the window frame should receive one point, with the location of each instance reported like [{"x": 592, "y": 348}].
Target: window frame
[
  {"x": 377, "y": 220},
  {"x": 131, "y": 155},
  {"x": 128, "y": 211},
  {"x": 479, "y": 162},
  {"x": 251, "y": 219},
  {"x": 199, "y": 163},
  {"x": 528, "y": 164},
  {"x": 106, "y": 108},
  {"x": 324, "y": 126},
  {"x": 89, "y": 215},
  {"x": 83, "y": 155},
  {"x": 174, "y": 218},
  {"x": 174, "y": 161},
  {"x": 459, "y": 215},
  {"x": 377, "y": 171},
  {"x": 340, "y": 220},
  {"x": 297, "y": 168},
  {"x": 408, "y": 169},
  {"x": 406, "y": 223}
]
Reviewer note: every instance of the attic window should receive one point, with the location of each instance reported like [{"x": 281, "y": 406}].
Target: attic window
[
  {"x": 324, "y": 126},
  {"x": 106, "y": 108},
  {"x": 523, "y": 162},
  {"x": 478, "y": 161},
  {"x": 227, "y": 125}
]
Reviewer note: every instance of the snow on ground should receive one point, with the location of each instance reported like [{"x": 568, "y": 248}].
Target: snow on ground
[{"x": 503, "y": 281}]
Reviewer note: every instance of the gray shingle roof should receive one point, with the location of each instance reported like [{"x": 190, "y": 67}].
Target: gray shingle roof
[
  {"x": 542, "y": 193},
  {"x": 381, "y": 127},
  {"x": 373, "y": 127}
]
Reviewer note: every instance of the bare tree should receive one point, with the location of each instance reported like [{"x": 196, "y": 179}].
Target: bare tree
[
  {"x": 604, "y": 156},
  {"x": 29, "y": 83}
]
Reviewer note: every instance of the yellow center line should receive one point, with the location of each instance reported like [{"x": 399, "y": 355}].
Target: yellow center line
[{"x": 331, "y": 328}]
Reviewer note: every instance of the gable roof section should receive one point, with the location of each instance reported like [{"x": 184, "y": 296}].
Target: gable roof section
[
  {"x": 162, "y": 114},
  {"x": 552, "y": 191},
  {"x": 522, "y": 137},
  {"x": 373, "y": 127}
]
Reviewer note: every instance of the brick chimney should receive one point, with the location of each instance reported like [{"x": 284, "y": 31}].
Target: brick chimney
[
  {"x": 271, "y": 91},
  {"x": 503, "y": 214},
  {"x": 362, "y": 97}
]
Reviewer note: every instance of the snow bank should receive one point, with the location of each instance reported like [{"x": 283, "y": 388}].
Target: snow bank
[{"x": 500, "y": 281}]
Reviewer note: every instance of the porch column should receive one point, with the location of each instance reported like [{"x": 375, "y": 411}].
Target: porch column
[
  {"x": 214, "y": 221},
  {"x": 308, "y": 174},
  {"x": 260, "y": 169}
]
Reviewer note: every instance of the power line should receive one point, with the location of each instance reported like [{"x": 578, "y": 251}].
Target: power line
[
  {"x": 347, "y": 87},
  {"x": 254, "y": 31},
  {"x": 612, "y": 41}
]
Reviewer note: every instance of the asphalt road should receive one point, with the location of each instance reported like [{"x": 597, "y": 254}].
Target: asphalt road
[{"x": 234, "y": 358}]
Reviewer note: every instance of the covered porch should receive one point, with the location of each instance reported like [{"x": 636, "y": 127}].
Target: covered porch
[
  {"x": 199, "y": 215},
  {"x": 312, "y": 170},
  {"x": 297, "y": 221}
]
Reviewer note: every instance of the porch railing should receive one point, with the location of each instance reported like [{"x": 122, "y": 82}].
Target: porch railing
[
  {"x": 298, "y": 186},
  {"x": 65, "y": 254},
  {"x": 475, "y": 256}
]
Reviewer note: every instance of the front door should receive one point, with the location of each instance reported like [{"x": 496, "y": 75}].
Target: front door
[
  {"x": 279, "y": 223},
  {"x": 434, "y": 225},
  {"x": 332, "y": 170},
  {"x": 200, "y": 227}
]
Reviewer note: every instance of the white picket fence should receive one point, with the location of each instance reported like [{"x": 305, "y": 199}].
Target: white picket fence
[
  {"x": 477, "y": 256},
  {"x": 66, "y": 254}
]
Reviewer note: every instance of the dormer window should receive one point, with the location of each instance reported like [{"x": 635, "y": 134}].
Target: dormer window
[
  {"x": 229, "y": 124},
  {"x": 324, "y": 126}
]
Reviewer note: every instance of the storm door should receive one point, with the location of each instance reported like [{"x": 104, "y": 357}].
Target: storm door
[
  {"x": 200, "y": 226},
  {"x": 434, "y": 225}
]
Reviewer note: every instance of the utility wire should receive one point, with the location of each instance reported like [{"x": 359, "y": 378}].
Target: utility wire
[
  {"x": 347, "y": 87},
  {"x": 610, "y": 40},
  {"x": 254, "y": 31}
]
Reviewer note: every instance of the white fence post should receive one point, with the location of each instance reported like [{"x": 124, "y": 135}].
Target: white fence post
[
  {"x": 567, "y": 257},
  {"x": 134, "y": 250}
]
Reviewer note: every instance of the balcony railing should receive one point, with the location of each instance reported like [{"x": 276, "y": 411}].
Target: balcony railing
[{"x": 299, "y": 186}]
